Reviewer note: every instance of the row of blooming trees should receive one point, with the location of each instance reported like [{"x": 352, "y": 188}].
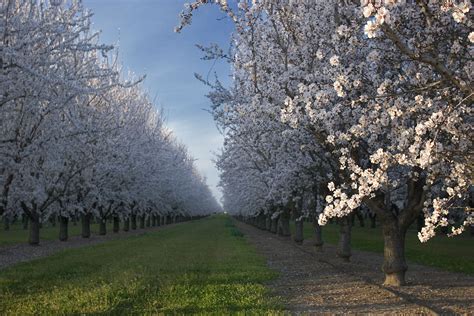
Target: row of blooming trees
[
  {"x": 76, "y": 138},
  {"x": 339, "y": 105}
]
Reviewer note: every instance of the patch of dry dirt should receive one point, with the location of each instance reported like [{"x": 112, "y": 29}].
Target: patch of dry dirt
[{"x": 319, "y": 283}]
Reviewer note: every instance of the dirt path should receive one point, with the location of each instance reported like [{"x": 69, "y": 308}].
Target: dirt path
[
  {"x": 10, "y": 255},
  {"x": 315, "y": 283}
]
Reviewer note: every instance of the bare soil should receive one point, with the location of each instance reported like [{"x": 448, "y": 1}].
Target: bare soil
[{"x": 314, "y": 282}]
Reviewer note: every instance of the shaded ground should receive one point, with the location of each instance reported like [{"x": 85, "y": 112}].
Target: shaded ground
[
  {"x": 13, "y": 254},
  {"x": 315, "y": 283}
]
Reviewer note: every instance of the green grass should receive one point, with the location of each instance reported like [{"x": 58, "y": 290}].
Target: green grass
[
  {"x": 197, "y": 267},
  {"x": 453, "y": 254},
  {"x": 18, "y": 235}
]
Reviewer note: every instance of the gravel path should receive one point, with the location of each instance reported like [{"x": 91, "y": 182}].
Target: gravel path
[
  {"x": 318, "y": 283},
  {"x": 10, "y": 255}
]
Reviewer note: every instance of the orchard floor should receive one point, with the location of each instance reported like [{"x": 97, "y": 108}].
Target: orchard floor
[
  {"x": 11, "y": 254},
  {"x": 214, "y": 266},
  {"x": 197, "y": 267},
  {"x": 318, "y": 282}
]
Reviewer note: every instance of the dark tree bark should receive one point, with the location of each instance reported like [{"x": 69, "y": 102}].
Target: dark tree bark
[
  {"x": 25, "y": 221},
  {"x": 284, "y": 225},
  {"x": 344, "y": 250},
  {"x": 394, "y": 265},
  {"x": 86, "y": 225},
  {"x": 103, "y": 226},
  {"x": 126, "y": 225},
  {"x": 420, "y": 222},
  {"x": 268, "y": 222},
  {"x": 148, "y": 221},
  {"x": 116, "y": 227},
  {"x": 134, "y": 221},
  {"x": 153, "y": 220},
  {"x": 395, "y": 226},
  {"x": 142, "y": 221},
  {"x": 360, "y": 218},
  {"x": 373, "y": 220},
  {"x": 63, "y": 228},
  {"x": 299, "y": 231},
  {"x": 6, "y": 223},
  {"x": 318, "y": 235},
  {"x": 274, "y": 227},
  {"x": 34, "y": 230}
]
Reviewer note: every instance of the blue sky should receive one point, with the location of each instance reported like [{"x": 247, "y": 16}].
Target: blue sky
[{"x": 143, "y": 30}]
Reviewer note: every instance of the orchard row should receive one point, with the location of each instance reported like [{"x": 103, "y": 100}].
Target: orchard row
[
  {"x": 78, "y": 137},
  {"x": 338, "y": 106}
]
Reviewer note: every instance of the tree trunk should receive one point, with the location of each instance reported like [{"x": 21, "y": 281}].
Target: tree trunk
[
  {"x": 52, "y": 221},
  {"x": 420, "y": 222},
  {"x": 6, "y": 223},
  {"x": 360, "y": 218},
  {"x": 34, "y": 231},
  {"x": 63, "y": 228},
  {"x": 134, "y": 221},
  {"x": 373, "y": 218},
  {"x": 153, "y": 220},
  {"x": 126, "y": 225},
  {"x": 318, "y": 235},
  {"x": 142, "y": 221},
  {"x": 268, "y": 222},
  {"x": 25, "y": 222},
  {"x": 394, "y": 265},
  {"x": 86, "y": 225},
  {"x": 116, "y": 227},
  {"x": 274, "y": 227},
  {"x": 103, "y": 226},
  {"x": 299, "y": 231},
  {"x": 344, "y": 250},
  {"x": 284, "y": 225}
]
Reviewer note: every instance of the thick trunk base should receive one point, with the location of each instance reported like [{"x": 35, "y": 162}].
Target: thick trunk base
[
  {"x": 284, "y": 226},
  {"x": 103, "y": 227},
  {"x": 126, "y": 225},
  {"x": 274, "y": 227},
  {"x": 134, "y": 222},
  {"x": 318, "y": 236},
  {"x": 395, "y": 279},
  {"x": 63, "y": 228},
  {"x": 116, "y": 227},
  {"x": 25, "y": 222},
  {"x": 6, "y": 223},
  {"x": 86, "y": 225},
  {"x": 394, "y": 264},
  {"x": 34, "y": 233},
  {"x": 299, "y": 232},
  {"x": 344, "y": 250}
]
